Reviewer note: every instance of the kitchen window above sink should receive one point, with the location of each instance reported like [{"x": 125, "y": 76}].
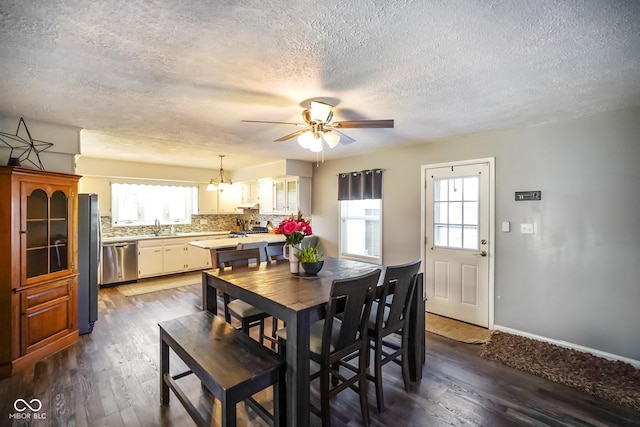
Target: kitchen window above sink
[{"x": 138, "y": 204}]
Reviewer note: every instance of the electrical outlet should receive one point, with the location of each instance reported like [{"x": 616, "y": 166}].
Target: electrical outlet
[
  {"x": 203, "y": 222},
  {"x": 526, "y": 228}
]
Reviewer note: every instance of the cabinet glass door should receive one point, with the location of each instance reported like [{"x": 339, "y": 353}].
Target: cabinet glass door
[
  {"x": 47, "y": 233},
  {"x": 279, "y": 196},
  {"x": 292, "y": 196}
]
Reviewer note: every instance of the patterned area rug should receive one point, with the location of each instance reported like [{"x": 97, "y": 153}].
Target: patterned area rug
[
  {"x": 615, "y": 381},
  {"x": 145, "y": 286},
  {"x": 459, "y": 331}
]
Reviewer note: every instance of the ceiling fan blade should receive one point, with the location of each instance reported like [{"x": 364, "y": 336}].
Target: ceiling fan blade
[
  {"x": 344, "y": 139},
  {"x": 363, "y": 124},
  {"x": 291, "y": 135},
  {"x": 277, "y": 123}
]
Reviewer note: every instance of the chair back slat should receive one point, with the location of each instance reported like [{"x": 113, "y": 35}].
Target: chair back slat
[
  {"x": 398, "y": 285},
  {"x": 274, "y": 253},
  {"x": 261, "y": 246},
  {"x": 354, "y": 296},
  {"x": 238, "y": 258}
]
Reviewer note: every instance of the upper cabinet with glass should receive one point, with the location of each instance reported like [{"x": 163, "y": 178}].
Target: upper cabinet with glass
[
  {"x": 46, "y": 230},
  {"x": 292, "y": 194}
]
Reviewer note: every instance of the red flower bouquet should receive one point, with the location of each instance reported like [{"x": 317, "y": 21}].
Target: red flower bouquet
[{"x": 295, "y": 229}]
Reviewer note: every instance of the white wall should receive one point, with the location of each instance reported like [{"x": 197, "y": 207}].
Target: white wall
[
  {"x": 57, "y": 158},
  {"x": 578, "y": 278}
]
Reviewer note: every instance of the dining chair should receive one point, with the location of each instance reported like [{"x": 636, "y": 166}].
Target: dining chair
[
  {"x": 335, "y": 340},
  {"x": 248, "y": 315},
  {"x": 389, "y": 315},
  {"x": 274, "y": 253}
]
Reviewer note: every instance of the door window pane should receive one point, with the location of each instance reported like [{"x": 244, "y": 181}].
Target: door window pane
[
  {"x": 441, "y": 235},
  {"x": 455, "y": 212},
  {"x": 455, "y": 189},
  {"x": 470, "y": 238},
  {"x": 470, "y": 211},
  {"x": 455, "y": 236},
  {"x": 440, "y": 212}
]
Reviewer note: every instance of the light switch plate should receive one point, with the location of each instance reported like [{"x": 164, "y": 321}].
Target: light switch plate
[
  {"x": 203, "y": 222},
  {"x": 506, "y": 226},
  {"x": 526, "y": 228}
]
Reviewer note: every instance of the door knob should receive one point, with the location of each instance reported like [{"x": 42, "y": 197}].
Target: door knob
[{"x": 481, "y": 253}]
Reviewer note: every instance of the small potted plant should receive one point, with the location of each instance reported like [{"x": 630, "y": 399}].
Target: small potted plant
[{"x": 310, "y": 259}]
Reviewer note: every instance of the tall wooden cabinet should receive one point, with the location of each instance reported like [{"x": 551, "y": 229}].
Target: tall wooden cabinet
[{"x": 39, "y": 274}]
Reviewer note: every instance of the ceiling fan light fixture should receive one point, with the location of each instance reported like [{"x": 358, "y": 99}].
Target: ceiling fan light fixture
[
  {"x": 320, "y": 112},
  {"x": 331, "y": 138},
  {"x": 220, "y": 182},
  {"x": 305, "y": 139}
]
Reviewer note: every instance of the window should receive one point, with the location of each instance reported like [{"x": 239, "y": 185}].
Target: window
[
  {"x": 455, "y": 212},
  {"x": 361, "y": 229},
  {"x": 135, "y": 204}
]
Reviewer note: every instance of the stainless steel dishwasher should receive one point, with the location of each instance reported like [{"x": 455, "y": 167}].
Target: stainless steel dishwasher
[{"x": 119, "y": 262}]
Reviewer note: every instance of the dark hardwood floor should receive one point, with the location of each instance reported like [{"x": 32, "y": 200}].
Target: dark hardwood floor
[{"x": 110, "y": 378}]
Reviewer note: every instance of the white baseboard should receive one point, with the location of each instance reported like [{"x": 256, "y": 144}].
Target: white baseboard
[{"x": 565, "y": 344}]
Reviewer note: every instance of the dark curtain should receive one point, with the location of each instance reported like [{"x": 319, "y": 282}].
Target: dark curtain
[{"x": 360, "y": 185}]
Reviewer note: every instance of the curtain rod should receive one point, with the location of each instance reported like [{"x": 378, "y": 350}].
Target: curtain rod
[{"x": 364, "y": 170}]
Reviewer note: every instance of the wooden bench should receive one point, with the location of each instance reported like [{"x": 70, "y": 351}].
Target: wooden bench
[{"x": 232, "y": 366}]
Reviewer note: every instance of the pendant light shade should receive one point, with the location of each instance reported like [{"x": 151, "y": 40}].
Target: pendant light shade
[
  {"x": 305, "y": 139},
  {"x": 331, "y": 138},
  {"x": 312, "y": 140},
  {"x": 316, "y": 144}
]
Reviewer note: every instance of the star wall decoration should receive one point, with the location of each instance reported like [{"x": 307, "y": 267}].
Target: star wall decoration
[{"x": 29, "y": 147}]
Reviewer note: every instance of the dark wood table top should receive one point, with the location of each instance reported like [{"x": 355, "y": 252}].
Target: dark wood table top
[{"x": 274, "y": 281}]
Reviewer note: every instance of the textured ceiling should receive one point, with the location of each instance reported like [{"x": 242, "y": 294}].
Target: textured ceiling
[{"x": 169, "y": 81}]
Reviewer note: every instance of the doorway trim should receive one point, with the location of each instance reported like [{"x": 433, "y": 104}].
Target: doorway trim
[{"x": 492, "y": 221}]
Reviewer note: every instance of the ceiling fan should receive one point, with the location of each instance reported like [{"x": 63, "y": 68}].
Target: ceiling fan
[{"x": 319, "y": 128}]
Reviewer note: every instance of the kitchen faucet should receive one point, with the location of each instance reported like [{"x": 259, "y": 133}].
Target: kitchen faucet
[{"x": 156, "y": 227}]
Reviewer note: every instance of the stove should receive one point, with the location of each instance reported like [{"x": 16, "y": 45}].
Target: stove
[{"x": 245, "y": 233}]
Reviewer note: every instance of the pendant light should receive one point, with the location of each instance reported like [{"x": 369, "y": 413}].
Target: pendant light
[{"x": 220, "y": 182}]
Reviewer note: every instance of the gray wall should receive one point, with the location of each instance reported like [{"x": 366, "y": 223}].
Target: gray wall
[{"x": 578, "y": 278}]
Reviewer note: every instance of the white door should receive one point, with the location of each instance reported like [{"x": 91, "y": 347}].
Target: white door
[{"x": 457, "y": 244}]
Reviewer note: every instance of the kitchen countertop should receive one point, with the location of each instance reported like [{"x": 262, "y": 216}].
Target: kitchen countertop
[{"x": 233, "y": 241}]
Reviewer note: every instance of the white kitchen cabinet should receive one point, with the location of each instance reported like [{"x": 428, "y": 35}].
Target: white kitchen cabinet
[
  {"x": 219, "y": 201},
  {"x": 149, "y": 261},
  {"x": 250, "y": 192},
  {"x": 229, "y": 199},
  {"x": 197, "y": 258},
  {"x": 292, "y": 194},
  {"x": 173, "y": 257},
  {"x": 207, "y": 201},
  {"x": 265, "y": 195}
]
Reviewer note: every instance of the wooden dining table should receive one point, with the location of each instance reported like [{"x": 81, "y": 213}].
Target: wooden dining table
[{"x": 298, "y": 300}]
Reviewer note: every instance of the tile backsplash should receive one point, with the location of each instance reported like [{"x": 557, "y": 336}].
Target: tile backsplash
[{"x": 213, "y": 223}]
